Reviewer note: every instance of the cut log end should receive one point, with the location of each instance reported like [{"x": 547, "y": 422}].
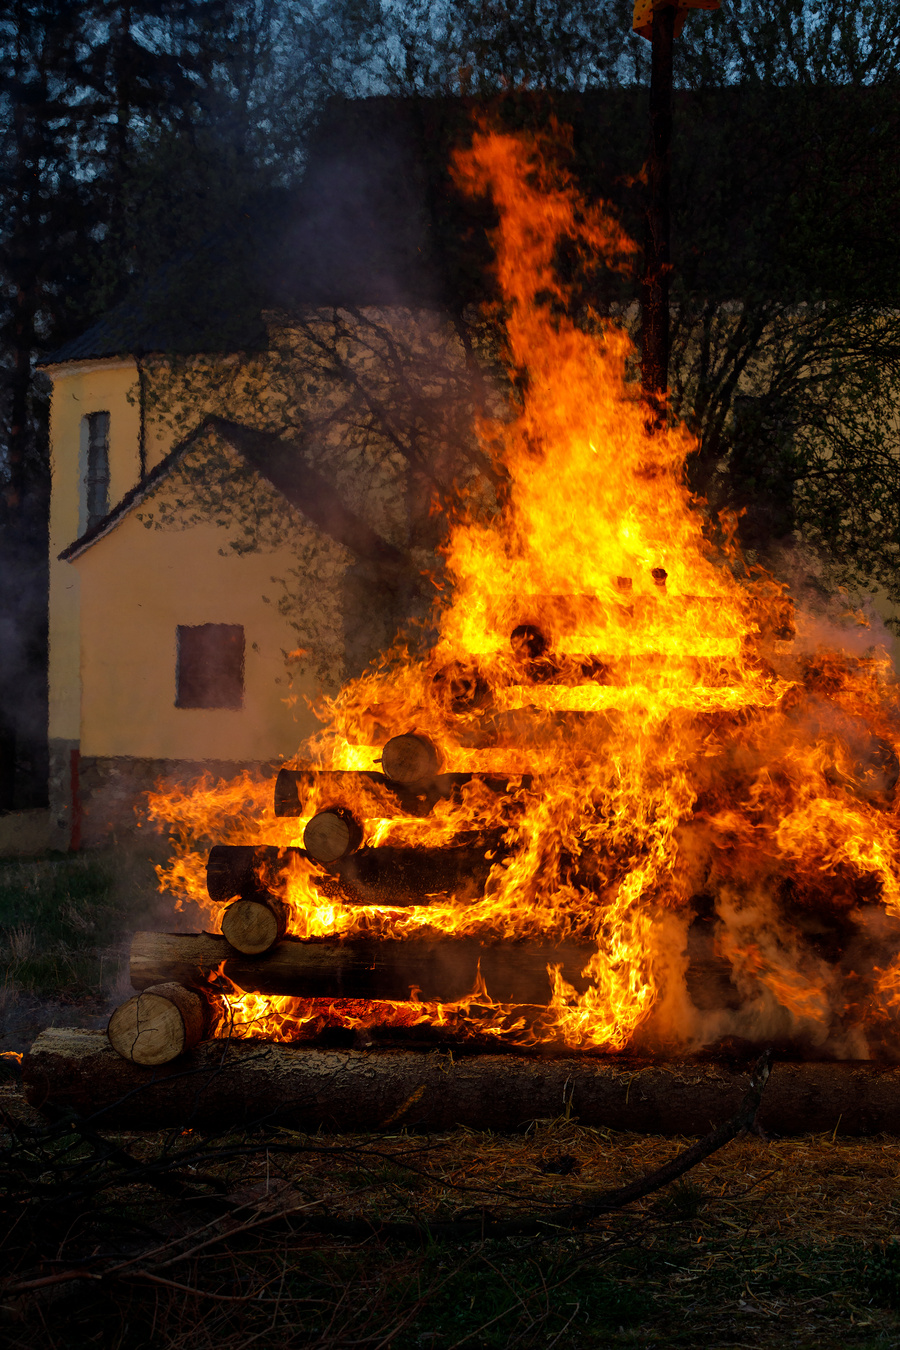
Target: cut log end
[
  {"x": 410, "y": 759},
  {"x": 252, "y": 928},
  {"x": 158, "y": 1025},
  {"x": 331, "y": 835}
]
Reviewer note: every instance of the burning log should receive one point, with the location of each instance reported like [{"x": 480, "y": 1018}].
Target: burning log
[
  {"x": 528, "y": 642},
  {"x": 160, "y": 1024},
  {"x": 383, "y": 796},
  {"x": 252, "y": 927},
  {"x": 410, "y": 759},
  {"x": 246, "y": 870},
  {"x": 223, "y": 1083},
  {"x": 443, "y": 969},
  {"x": 462, "y": 688},
  {"x": 371, "y": 876},
  {"x": 411, "y": 876},
  {"x": 332, "y": 834}
]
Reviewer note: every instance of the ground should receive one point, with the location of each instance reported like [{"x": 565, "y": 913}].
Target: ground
[{"x": 278, "y": 1239}]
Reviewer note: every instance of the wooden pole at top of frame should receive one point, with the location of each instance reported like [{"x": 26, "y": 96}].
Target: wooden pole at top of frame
[{"x": 660, "y": 22}]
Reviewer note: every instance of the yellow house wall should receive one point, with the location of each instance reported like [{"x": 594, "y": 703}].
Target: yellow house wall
[
  {"x": 79, "y": 389},
  {"x": 136, "y": 586}
]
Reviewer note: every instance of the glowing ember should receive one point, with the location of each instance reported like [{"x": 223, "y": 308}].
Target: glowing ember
[{"x": 709, "y": 800}]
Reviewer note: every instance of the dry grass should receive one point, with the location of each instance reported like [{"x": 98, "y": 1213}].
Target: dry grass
[{"x": 768, "y": 1243}]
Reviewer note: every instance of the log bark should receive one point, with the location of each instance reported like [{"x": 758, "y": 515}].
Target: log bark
[
  {"x": 443, "y": 969},
  {"x": 223, "y": 1083},
  {"x": 251, "y": 927},
  {"x": 370, "y": 876},
  {"x": 375, "y": 796},
  {"x": 158, "y": 1025}
]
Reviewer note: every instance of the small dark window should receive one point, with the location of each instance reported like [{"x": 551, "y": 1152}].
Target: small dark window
[
  {"x": 97, "y": 476},
  {"x": 210, "y": 669}
]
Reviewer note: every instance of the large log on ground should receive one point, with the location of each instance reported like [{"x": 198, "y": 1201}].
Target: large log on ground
[
  {"x": 375, "y": 795},
  {"x": 442, "y": 969},
  {"x": 387, "y": 875},
  {"x": 222, "y": 1083}
]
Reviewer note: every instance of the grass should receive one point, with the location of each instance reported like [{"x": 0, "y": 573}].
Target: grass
[
  {"x": 58, "y": 916},
  {"x": 66, "y": 920}
]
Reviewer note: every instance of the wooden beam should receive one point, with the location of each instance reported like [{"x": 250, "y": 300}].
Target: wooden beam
[
  {"x": 388, "y": 875},
  {"x": 443, "y": 969}
]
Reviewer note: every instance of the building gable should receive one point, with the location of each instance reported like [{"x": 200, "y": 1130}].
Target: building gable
[{"x": 203, "y": 477}]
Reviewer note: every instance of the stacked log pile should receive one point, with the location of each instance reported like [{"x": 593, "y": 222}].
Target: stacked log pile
[
  {"x": 160, "y": 1063},
  {"x": 176, "y": 1007}
]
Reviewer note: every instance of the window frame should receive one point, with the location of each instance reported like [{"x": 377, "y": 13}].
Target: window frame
[
  {"x": 201, "y": 683},
  {"x": 96, "y": 476}
]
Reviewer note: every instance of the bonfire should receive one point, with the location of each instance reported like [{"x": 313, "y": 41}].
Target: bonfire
[{"x": 626, "y": 741}]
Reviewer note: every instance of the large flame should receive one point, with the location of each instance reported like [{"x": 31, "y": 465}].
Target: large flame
[{"x": 705, "y": 792}]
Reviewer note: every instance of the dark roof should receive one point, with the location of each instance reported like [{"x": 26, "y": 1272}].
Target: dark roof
[
  {"x": 376, "y": 220},
  {"x": 206, "y": 300},
  {"x": 281, "y": 463},
  {"x": 784, "y": 191},
  {"x": 355, "y": 232}
]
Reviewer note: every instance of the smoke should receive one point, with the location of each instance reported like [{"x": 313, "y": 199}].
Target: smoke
[
  {"x": 360, "y": 236},
  {"x": 825, "y": 616}
]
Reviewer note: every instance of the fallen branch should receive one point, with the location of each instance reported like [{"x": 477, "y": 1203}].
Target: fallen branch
[
  {"x": 743, "y": 1119},
  {"x": 569, "y": 1216}
]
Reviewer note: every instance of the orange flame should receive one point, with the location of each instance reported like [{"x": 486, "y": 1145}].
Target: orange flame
[{"x": 679, "y": 740}]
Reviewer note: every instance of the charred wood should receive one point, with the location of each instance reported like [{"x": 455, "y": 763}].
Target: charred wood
[
  {"x": 443, "y": 969},
  {"x": 411, "y": 876},
  {"x": 388, "y": 875},
  {"x": 248, "y": 871},
  {"x": 380, "y": 795}
]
